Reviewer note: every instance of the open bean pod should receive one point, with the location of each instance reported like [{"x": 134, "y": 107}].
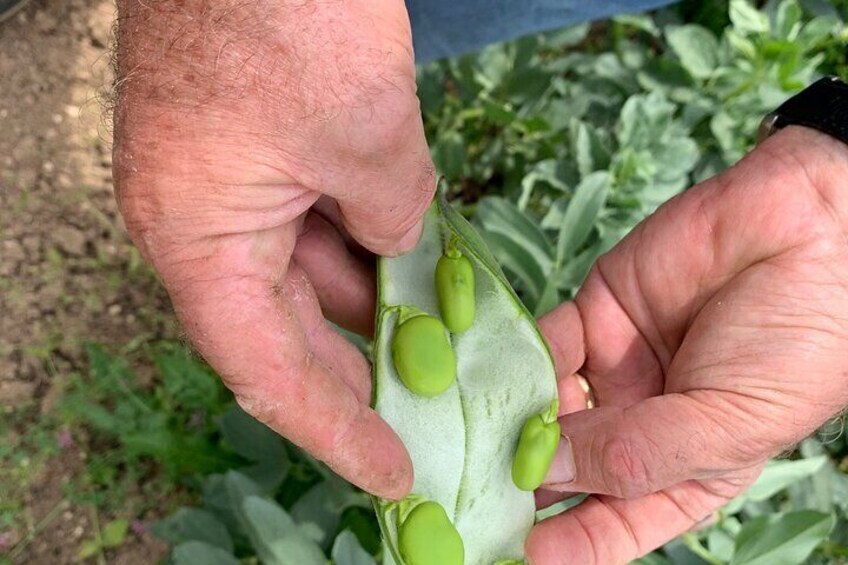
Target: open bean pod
[{"x": 462, "y": 439}]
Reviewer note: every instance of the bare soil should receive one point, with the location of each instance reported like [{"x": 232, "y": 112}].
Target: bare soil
[{"x": 68, "y": 273}]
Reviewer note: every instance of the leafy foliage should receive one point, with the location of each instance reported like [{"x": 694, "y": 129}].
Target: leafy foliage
[
  {"x": 557, "y": 145},
  {"x": 174, "y": 425},
  {"x": 602, "y": 127},
  {"x": 295, "y": 518}
]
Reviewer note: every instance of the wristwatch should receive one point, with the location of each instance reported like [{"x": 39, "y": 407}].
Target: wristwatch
[{"x": 823, "y": 106}]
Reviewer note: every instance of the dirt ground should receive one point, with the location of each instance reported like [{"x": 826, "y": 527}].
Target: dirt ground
[{"x": 68, "y": 273}]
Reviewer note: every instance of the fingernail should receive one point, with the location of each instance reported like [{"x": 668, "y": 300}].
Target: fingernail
[
  {"x": 562, "y": 467},
  {"x": 410, "y": 238}
]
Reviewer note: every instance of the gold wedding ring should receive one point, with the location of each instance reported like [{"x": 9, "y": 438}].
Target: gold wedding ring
[{"x": 587, "y": 391}]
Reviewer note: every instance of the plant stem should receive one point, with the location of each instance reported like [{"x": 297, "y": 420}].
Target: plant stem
[
  {"x": 698, "y": 549},
  {"x": 46, "y": 521}
]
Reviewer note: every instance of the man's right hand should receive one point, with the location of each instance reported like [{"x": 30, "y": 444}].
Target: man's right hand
[{"x": 258, "y": 145}]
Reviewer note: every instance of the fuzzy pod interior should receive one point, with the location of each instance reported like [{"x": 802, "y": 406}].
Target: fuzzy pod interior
[{"x": 462, "y": 441}]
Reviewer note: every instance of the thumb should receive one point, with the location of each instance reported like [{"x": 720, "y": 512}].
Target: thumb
[
  {"x": 387, "y": 218},
  {"x": 649, "y": 446},
  {"x": 372, "y": 153},
  {"x": 385, "y": 186}
]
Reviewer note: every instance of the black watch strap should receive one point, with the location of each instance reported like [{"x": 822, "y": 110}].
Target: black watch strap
[{"x": 823, "y": 106}]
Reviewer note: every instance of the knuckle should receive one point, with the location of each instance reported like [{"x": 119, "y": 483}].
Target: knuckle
[
  {"x": 379, "y": 105},
  {"x": 625, "y": 469}
]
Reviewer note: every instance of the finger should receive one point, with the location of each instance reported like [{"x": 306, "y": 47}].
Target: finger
[
  {"x": 563, "y": 330},
  {"x": 260, "y": 330},
  {"x": 383, "y": 177},
  {"x": 642, "y": 297},
  {"x": 344, "y": 283},
  {"x": 620, "y": 364},
  {"x": 546, "y": 498},
  {"x": 574, "y": 394},
  {"x": 387, "y": 219},
  {"x": 625, "y": 452},
  {"x": 328, "y": 209},
  {"x": 327, "y": 346},
  {"x": 605, "y": 530}
]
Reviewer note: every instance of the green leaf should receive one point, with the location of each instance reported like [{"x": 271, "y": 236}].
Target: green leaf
[
  {"x": 581, "y": 214},
  {"x": 725, "y": 130},
  {"x": 186, "y": 379},
  {"x": 742, "y": 45},
  {"x": 669, "y": 76},
  {"x": 364, "y": 525},
  {"x": 276, "y": 537},
  {"x": 549, "y": 299},
  {"x": 493, "y": 65},
  {"x": 566, "y": 37},
  {"x": 610, "y": 67},
  {"x": 223, "y": 495},
  {"x": 449, "y": 155},
  {"x": 256, "y": 442},
  {"x": 643, "y": 22},
  {"x": 431, "y": 91},
  {"x": 268, "y": 519},
  {"x": 347, "y": 551},
  {"x": 644, "y": 119},
  {"x": 826, "y": 487},
  {"x": 575, "y": 270},
  {"x": 498, "y": 112},
  {"x": 782, "y": 539},
  {"x": 550, "y": 171},
  {"x": 180, "y": 453},
  {"x": 674, "y": 159},
  {"x": 518, "y": 243},
  {"x": 788, "y": 20},
  {"x": 250, "y": 438},
  {"x": 589, "y": 152},
  {"x": 114, "y": 533},
  {"x": 720, "y": 543},
  {"x": 532, "y": 277},
  {"x": 679, "y": 553},
  {"x": 200, "y": 553},
  {"x": 818, "y": 30},
  {"x": 746, "y": 18},
  {"x": 88, "y": 549},
  {"x": 324, "y": 504},
  {"x": 821, "y": 8},
  {"x": 96, "y": 416},
  {"x": 778, "y": 475},
  {"x": 696, "y": 47},
  {"x": 651, "y": 559},
  {"x": 193, "y": 524},
  {"x": 526, "y": 86},
  {"x": 499, "y": 215}
]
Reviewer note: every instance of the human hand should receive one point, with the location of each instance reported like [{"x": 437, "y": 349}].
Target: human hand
[
  {"x": 257, "y": 145},
  {"x": 714, "y": 337}
]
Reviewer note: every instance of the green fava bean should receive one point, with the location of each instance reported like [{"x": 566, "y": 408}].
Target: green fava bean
[
  {"x": 537, "y": 446},
  {"x": 423, "y": 356},
  {"x": 427, "y": 537},
  {"x": 455, "y": 290}
]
